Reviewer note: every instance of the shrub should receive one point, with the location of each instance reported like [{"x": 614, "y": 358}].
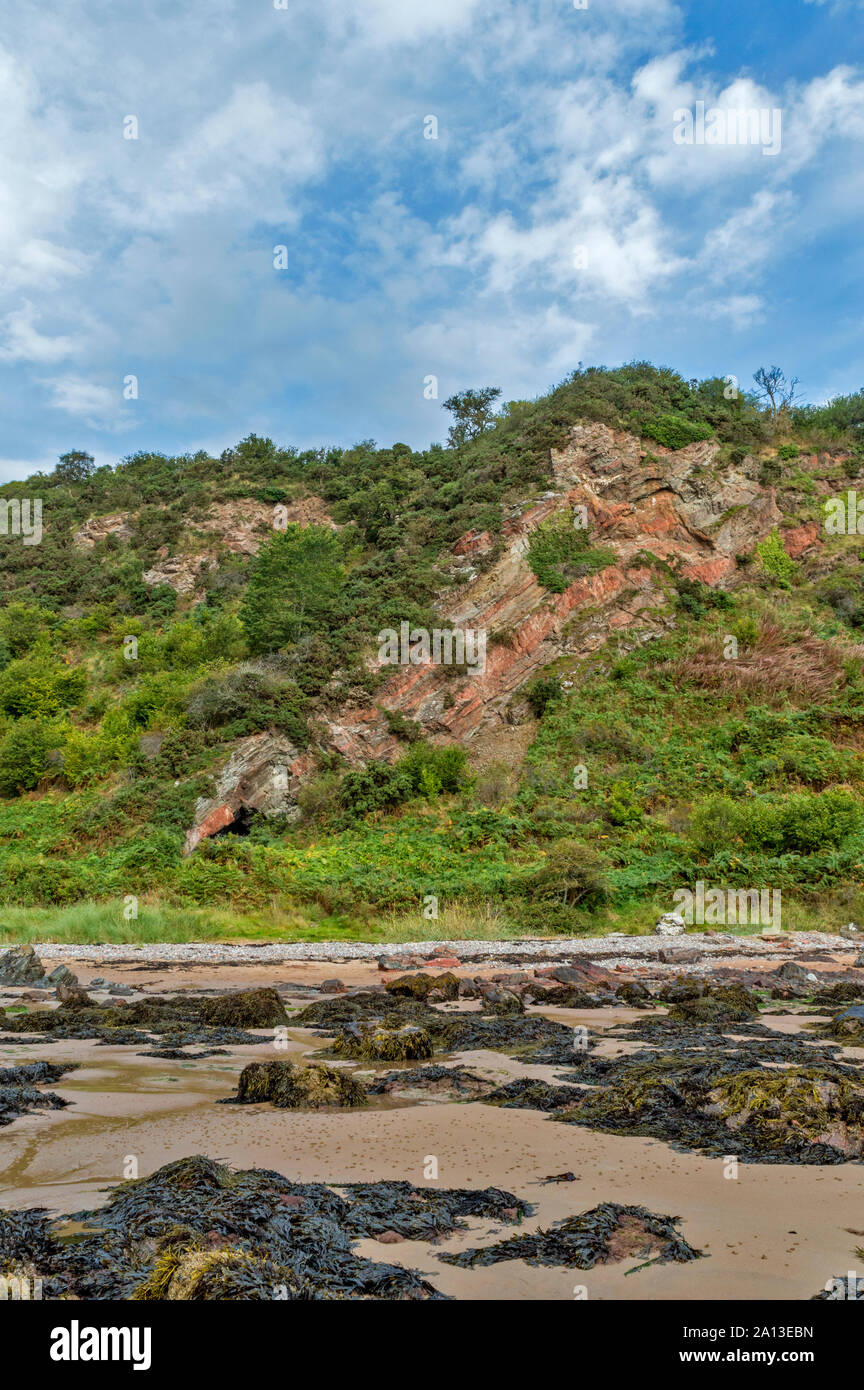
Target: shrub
[
  {"x": 25, "y": 754},
  {"x": 33, "y": 688},
  {"x": 674, "y": 431},
  {"x": 803, "y": 823},
  {"x": 559, "y": 553},
  {"x": 574, "y": 875},
  {"x": 776, "y": 561},
  {"x": 546, "y": 690}
]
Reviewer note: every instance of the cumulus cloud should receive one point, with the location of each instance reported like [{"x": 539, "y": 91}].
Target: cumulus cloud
[{"x": 554, "y": 218}]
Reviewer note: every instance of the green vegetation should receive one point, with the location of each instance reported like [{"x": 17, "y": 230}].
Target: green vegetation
[{"x": 120, "y": 696}]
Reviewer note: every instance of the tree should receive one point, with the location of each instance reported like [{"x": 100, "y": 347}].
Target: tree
[
  {"x": 75, "y": 467},
  {"x": 294, "y": 588},
  {"x": 472, "y": 413},
  {"x": 775, "y": 392}
]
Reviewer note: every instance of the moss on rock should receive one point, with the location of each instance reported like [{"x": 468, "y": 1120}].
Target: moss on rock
[{"x": 291, "y": 1087}]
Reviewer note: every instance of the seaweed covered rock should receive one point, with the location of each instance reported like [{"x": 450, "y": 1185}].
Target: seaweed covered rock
[
  {"x": 525, "y": 1094},
  {"x": 248, "y": 1008},
  {"x": 177, "y": 1022},
  {"x": 719, "y": 1004},
  {"x": 518, "y": 1035},
  {"x": 420, "y": 986},
  {"x": 799, "y": 1104},
  {"x": 329, "y": 1015},
  {"x": 720, "y": 1104},
  {"x": 848, "y": 1025},
  {"x": 189, "y": 1272},
  {"x": 681, "y": 988},
  {"x": 73, "y": 997},
  {"x": 292, "y": 1087},
  {"x": 197, "y": 1231},
  {"x": 434, "y": 1080},
  {"x": 602, "y": 1235},
  {"x": 502, "y": 1003},
  {"x": 377, "y": 1043},
  {"x": 569, "y": 997},
  {"x": 18, "y": 1094}
]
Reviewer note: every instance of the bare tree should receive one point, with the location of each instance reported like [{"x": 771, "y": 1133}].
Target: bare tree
[{"x": 774, "y": 391}]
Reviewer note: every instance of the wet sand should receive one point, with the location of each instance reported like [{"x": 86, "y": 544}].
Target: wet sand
[{"x": 772, "y": 1232}]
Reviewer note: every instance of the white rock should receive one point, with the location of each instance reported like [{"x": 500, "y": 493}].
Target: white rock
[{"x": 670, "y": 924}]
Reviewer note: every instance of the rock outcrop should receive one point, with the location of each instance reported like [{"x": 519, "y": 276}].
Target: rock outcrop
[
  {"x": 677, "y": 507},
  {"x": 261, "y": 776}
]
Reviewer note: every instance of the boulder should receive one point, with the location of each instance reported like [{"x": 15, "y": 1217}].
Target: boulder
[
  {"x": 670, "y": 924},
  {"x": 20, "y": 966},
  {"x": 62, "y": 975}
]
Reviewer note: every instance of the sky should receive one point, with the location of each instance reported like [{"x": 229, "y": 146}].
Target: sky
[{"x": 465, "y": 193}]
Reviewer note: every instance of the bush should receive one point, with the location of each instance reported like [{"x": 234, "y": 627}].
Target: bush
[
  {"x": 25, "y": 755},
  {"x": 775, "y": 560},
  {"x": 247, "y": 700},
  {"x": 574, "y": 875},
  {"x": 674, "y": 431},
  {"x": 559, "y": 553},
  {"x": 803, "y": 823},
  {"x": 32, "y": 688},
  {"x": 546, "y": 690}
]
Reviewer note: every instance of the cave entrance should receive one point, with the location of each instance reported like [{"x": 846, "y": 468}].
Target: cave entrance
[{"x": 242, "y": 823}]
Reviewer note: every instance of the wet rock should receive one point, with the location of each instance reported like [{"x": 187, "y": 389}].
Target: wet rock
[
  {"x": 20, "y": 966},
  {"x": 292, "y": 1087},
  {"x": 248, "y": 1008},
  {"x": 793, "y": 973},
  {"x": 380, "y": 1044},
  {"x": 74, "y": 998},
  {"x": 420, "y": 986},
  {"x": 62, "y": 975},
  {"x": 598, "y": 1236},
  {"x": 849, "y": 1025}
]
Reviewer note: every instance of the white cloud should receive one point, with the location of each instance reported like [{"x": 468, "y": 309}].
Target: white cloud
[
  {"x": 98, "y": 407},
  {"x": 21, "y": 341}
]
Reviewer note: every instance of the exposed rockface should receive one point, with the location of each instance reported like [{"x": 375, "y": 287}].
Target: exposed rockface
[{"x": 681, "y": 507}]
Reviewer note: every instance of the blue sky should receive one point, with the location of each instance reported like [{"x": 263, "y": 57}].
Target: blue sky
[{"x": 406, "y": 257}]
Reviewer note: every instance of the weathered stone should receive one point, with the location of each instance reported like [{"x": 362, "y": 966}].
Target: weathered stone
[
  {"x": 62, "y": 975},
  {"x": 670, "y": 924},
  {"x": 20, "y": 966}
]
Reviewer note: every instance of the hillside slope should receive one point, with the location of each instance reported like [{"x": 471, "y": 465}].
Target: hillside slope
[{"x": 199, "y": 734}]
